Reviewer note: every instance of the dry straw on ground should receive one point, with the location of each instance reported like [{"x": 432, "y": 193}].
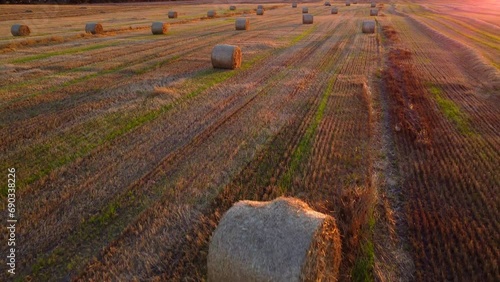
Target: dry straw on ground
[
  {"x": 232, "y": 8},
  {"x": 305, "y": 10},
  {"x": 335, "y": 10},
  {"x": 242, "y": 23},
  {"x": 20, "y": 30},
  {"x": 281, "y": 240},
  {"x": 260, "y": 12},
  {"x": 211, "y": 14},
  {"x": 159, "y": 28},
  {"x": 226, "y": 56},
  {"x": 307, "y": 19},
  {"x": 94, "y": 28},
  {"x": 368, "y": 27},
  {"x": 294, "y": 5},
  {"x": 373, "y": 12},
  {"x": 172, "y": 14}
]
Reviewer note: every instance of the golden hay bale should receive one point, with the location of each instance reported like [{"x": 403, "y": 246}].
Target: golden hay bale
[
  {"x": 94, "y": 28},
  {"x": 242, "y": 23},
  {"x": 355, "y": 2},
  {"x": 373, "y": 12},
  {"x": 373, "y": 5},
  {"x": 347, "y": 3},
  {"x": 172, "y": 14},
  {"x": 226, "y": 56},
  {"x": 159, "y": 28},
  {"x": 335, "y": 10},
  {"x": 327, "y": 3},
  {"x": 211, "y": 14},
  {"x": 20, "y": 30},
  {"x": 260, "y": 12},
  {"x": 368, "y": 27},
  {"x": 281, "y": 240},
  {"x": 305, "y": 10},
  {"x": 232, "y": 8},
  {"x": 307, "y": 19},
  {"x": 294, "y": 5}
]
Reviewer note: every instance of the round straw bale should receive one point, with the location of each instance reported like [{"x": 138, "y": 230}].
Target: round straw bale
[
  {"x": 327, "y": 3},
  {"x": 94, "y": 28},
  {"x": 211, "y": 14},
  {"x": 347, "y": 3},
  {"x": 368, "y": 27},
  {"x": 159, "y": 28},
  {"x": 294, "y": 5},
  {"x": 307, "y": 19},
  {"x": 305, "y": 10},
  {"x": 172, "y": 14},
  {"x": 20, "y": 30},
  {"x": 281, "y": 240},
  {"x": 373, "y": 12},
  {"x": 373, "y": 5},
  {"x": 355, "y": 2},
  {"x": 232, "y": 8},
  {"x": 260, "y": 12},
  {"x": 335, "y": 10},
  {"x": 260, "y": 7},
  {"x": 226, "y": 56},
  {"x": 242, "y": 23}
]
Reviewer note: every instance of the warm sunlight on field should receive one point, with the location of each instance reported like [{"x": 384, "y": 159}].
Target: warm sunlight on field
[{"x": 129, "y": 147}]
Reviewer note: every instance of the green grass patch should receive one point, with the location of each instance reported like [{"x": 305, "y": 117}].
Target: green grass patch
[
  {"x": 451, "y": 111},
  {"x": 62, "y": 52},
  {"x": 303, "y": 35},
  {"x": 364, "y": 264}
]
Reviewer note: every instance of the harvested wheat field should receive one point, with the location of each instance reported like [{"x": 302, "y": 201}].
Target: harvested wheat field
[{"x": 129, "y": 147}]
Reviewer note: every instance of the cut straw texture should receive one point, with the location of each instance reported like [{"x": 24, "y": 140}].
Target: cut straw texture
[
  {"x": 226, "y": 56},
  {"x": 281, "y": 240}
]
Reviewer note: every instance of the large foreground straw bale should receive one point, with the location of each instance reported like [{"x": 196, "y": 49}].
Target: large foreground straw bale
[
  {"x": 305, "y": 10},
  {"x": 373, "y": 12},
  {"x": 211, "y": 14},
  {"x": 260, "y": 12},
  {"x": 307, "y": 19},
  {"x": 20, "y": 30},
  {"x": 368, "y": 27},
  {"x": 94, "y": 28},
  {"x": 335, "y": 10},
  {"x": 242, "y": 23},
  {"x": 226, "y": 56},
  {"x": 172, "y": 14},
  {"x": 281, "y": 240},
  {"x": 159, "y": 28}
]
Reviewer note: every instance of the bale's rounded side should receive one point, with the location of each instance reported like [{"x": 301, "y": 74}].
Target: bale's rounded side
[
  {"x": 368, "y": 27},
  {"x": 20, "y": 30},
  {"x": 305, "y": 10},
  {"x": 335, "y": 10},
  {"x": 211, "y": 14},
  {"x": 373, "y": 12},
  {"x": 172, "y": 14},
  {"x": 159, "y": 28},
  {"x": 94, "y": 28},
  {"x": 242, "y": 23},
  {"x": 281, "y": 240},
  {"x": 294, "y": 5},
  {"x": 226, "y": 56},
  {"x": 260, "y": 12},
  {"x": 307, "y": 19},
  {"x": 232, "y": 8},
  {"x": 373, "y": 5}
]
